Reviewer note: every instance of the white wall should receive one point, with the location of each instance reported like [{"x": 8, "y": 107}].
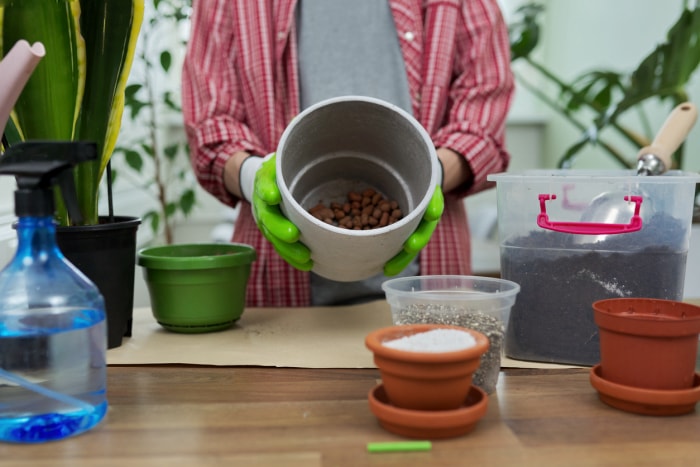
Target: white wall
[{"x": 617, "y": 35}]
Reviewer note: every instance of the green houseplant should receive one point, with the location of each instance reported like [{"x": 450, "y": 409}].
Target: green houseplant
[
  {"x": 601, "y": 99},
  {"x": 158, "y": 163},
  {"x": 77, "y": 93}
]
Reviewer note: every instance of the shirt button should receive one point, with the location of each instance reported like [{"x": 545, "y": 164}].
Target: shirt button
[
  {"x": 409, "y": 35},
  {"x": 281, "y": 35}
]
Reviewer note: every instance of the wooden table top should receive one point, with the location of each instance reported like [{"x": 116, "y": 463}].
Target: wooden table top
[{"x": 260, "y": 416}]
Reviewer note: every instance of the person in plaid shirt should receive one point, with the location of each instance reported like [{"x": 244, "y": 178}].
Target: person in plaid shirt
[{"x": 251, "y": 66}]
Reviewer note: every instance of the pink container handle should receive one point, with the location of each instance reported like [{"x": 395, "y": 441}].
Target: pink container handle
[{"x": 589, "y": 228}]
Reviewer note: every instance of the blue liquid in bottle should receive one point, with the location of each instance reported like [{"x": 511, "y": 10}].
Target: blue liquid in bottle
[{"x": 52, "y": 342}]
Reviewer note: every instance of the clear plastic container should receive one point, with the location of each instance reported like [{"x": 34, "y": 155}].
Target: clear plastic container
[
  {"x": 479, "y": 303},
  {"x": 570, "y": 238}
]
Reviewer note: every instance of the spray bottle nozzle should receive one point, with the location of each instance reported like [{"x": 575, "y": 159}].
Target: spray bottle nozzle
[{"x": 38, "y": 166}]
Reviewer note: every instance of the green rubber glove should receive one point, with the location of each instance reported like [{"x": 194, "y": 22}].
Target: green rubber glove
[
  {"x": 276, "y": 228},
  {"x": 420, "y": 237}
]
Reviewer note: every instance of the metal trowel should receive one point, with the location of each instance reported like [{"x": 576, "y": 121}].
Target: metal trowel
[{"x": 610, "y": 212}]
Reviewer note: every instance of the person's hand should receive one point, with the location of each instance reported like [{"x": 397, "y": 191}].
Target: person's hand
[
  {"x": 420, "y": 237},
  {"x": 265, "y": 198}
]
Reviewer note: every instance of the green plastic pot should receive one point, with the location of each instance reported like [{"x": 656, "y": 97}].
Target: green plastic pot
[{"x": 197, "y": 287}]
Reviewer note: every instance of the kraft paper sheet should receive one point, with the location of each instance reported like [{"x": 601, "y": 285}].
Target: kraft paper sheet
[{"x": 314, "y": 337}]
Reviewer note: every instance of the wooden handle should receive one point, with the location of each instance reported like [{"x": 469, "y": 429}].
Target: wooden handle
[{"x": 672, "y": 134}]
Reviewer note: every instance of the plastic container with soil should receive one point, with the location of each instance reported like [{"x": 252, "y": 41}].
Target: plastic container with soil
[{"x": 563, "y": 263}]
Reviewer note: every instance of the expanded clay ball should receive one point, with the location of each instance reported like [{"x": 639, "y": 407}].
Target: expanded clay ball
[{"x": 360, "y": 211}]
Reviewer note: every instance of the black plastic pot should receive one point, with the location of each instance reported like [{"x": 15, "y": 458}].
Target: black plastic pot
[{"x": 106, "y": 254}]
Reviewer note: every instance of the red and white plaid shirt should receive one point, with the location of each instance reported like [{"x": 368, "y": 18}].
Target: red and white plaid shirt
[{"x": 240, "y": 88}]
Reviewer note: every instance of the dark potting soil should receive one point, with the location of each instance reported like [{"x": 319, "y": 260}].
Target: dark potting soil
[{"x": 560, "y": 278}]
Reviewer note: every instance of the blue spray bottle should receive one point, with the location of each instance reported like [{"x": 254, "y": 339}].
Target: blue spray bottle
[{"x": 52, "y": 318}]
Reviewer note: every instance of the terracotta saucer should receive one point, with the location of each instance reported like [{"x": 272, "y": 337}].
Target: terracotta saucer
[
  {"x": 646, "y": 401},
  {"x": 428, "y": 424}
]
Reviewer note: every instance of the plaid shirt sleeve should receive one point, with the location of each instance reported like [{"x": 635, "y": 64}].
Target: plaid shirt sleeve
[
  {"x": 460, "y": 78},
  {"x": 481, "y": 92}
]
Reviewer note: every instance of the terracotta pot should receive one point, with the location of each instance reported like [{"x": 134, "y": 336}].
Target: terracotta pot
[
  {"x": 425, "y": 380},
  {"x": 648, "y": 343}
]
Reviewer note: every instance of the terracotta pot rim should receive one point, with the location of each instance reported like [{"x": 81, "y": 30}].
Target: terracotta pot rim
[
  {"x": 613, "y": 315},
  {"x": 469, "y": 413},
  {"x": 374, "y": 341},
  {"x": 647, "y": 396}
]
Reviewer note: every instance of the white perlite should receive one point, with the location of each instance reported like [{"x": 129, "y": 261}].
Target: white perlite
[{"x": 436, "y": 340}]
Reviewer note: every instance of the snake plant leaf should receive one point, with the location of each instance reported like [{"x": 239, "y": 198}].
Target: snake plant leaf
[
  {"x": 110, "y": 29},
  {"x": 48, "y": 105},
  {"x": 77, "y": 91}
]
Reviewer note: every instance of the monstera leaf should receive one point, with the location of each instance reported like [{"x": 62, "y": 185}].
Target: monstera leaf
[{"x": 77, "y": 91}]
